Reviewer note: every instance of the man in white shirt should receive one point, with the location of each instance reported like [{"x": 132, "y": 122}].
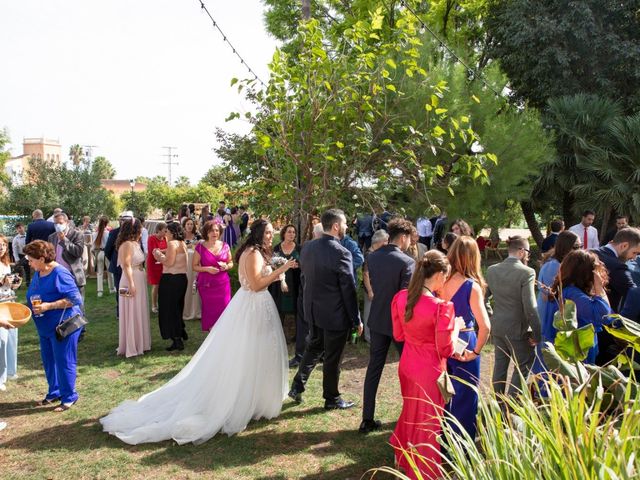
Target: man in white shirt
[
  {"x": 425, "y": 231},
  {"x": 586, "y": 232}
]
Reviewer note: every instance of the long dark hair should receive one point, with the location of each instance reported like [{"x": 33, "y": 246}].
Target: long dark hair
[
  {"x": 176, "y": 230},
  {"x": 578, "y": 269},
  {"x": 130, "y": 230},
  {"x": 255, "y": 240},
  {"x": 102, "y": 224},
  {"x": 565, "y": 244},
  {"x": 433, "y": 262}
]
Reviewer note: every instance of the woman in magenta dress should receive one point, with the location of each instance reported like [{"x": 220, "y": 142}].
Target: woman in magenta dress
[
  {"x": 212, "y": 259},
  {"x": 428, "y": 329}
]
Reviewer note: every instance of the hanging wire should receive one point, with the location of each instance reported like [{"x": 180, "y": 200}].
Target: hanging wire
[
  {"x": 470, "y": 69},
  {"x": 226, "y": 40}
]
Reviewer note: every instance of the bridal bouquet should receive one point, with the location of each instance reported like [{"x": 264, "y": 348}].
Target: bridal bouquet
[{"x": 276, "y": 262}]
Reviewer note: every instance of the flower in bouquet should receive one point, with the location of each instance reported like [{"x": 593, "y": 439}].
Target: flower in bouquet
[{"x": 276, "y": 262}]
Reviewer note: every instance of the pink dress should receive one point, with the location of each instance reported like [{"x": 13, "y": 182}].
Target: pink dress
[
  {"x": 214, "y": 289},
  {"x": 427, "y": 345},
  {"x": 134, "y": 331}
]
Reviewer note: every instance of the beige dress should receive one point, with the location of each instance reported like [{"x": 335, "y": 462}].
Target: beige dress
[
  {"x": 134, "y": 332},
  {"x": 192, "y": 308}
]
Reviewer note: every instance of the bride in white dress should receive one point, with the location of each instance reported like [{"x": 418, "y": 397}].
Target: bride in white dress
[{"x": 239, "y": 373}]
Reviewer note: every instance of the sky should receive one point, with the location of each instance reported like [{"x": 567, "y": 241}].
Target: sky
[{"x": 129, "y": 77}]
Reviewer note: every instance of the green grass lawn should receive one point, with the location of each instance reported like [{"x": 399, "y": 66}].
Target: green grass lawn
[{"x": 304, "y": 442}]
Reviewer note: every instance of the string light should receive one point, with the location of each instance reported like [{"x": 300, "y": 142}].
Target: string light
[
  {"x": 225, "y": 39},
  {"x": 470, "y": 70}
]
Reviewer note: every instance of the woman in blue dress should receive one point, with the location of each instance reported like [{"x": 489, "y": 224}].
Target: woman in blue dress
[
  {"x": 565, "y": 243},
  {"x": 465, "y": 289},
  {"x": 58, "y": 299},
  {"x": 583, "y": 278}
]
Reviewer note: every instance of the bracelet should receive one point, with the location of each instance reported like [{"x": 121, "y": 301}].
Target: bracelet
[{"x": 477, "y": 353}]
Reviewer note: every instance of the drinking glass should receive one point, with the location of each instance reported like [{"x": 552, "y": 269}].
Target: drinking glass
[{"x": 35, "y": 301}]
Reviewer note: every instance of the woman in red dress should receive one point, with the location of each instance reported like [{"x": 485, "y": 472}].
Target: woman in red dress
[
  {"x": 428, "y": 329},
  {"x": 154, "y": 268}
]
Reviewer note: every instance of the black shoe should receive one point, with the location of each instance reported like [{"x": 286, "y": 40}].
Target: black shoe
[
  {"x": 184, "y": 335},
  {"x": 179, "y": 344},
  {"x": 294, "y": 362},
  {"x": 369, "y": 426},
  {"x": 338, "y": 404},
  {"x": 295, "y": 396},
  {"x": 172, "y": 347}
]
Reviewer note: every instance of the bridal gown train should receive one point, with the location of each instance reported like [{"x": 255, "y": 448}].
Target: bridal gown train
[{"x": 239, "y": 373}]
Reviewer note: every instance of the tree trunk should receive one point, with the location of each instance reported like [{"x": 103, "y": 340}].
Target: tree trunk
[
  {"x": 530, "y": 217},
  {"x": 306, "y": 9},
  {"x": 567, "y": 210}
]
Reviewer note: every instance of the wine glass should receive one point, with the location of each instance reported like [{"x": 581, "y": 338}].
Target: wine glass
[{"x": 35, "y": 301}]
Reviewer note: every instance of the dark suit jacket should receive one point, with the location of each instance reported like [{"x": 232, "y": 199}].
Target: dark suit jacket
[
  {"x": 111, "y": 253},
  {"x": 549, "y": 242},
  {"x": 631, "y": 309},
  {"x": 329, "y": 296},
  {"x": 39, "y": 230},
  {"x": 620, "y": 280},
  {"x": 389, "y": 272}
]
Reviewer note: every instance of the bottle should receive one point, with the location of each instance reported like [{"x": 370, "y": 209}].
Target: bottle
[{"x": 354, "y": 336}]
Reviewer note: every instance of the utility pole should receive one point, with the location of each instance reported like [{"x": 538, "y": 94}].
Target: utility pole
[
  {"x": 170, "y": 156},
  {"x": 306, "y": 9}
]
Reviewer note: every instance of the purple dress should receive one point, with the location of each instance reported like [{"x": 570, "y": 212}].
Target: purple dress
[{"x": 214, "y": 289}]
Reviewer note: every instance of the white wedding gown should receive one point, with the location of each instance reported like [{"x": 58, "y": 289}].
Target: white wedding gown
[{"x": 239, "y": 373}]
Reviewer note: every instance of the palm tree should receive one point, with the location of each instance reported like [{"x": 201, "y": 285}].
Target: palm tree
[{"x": 76, "y": 154}]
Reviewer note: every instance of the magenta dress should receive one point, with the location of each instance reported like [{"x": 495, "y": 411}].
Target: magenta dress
[{"x": 214, "y": 290}]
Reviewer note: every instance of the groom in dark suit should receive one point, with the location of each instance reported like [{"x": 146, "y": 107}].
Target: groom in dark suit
[{"x": 330, "y": 308}]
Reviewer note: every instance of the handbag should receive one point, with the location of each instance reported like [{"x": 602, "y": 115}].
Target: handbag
[
  {"x": 70, "y": 325},
  {"x": 444, "y": 382}
]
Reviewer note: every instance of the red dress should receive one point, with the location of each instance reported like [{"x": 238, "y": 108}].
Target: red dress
[
  {"x": 154, "y": 270},
  {"x": 427, "y": 345}
]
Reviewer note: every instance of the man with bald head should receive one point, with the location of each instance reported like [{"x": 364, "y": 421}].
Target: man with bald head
[{"x": 39, "y": 228}]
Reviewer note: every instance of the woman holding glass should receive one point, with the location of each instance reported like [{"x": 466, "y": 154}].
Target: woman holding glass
[
  {"x": 191, "y": 298},
  {"x": 53, "y": 298}
]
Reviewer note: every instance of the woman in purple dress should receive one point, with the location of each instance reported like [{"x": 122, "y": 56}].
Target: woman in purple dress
[{"x": 211, "y": 260}]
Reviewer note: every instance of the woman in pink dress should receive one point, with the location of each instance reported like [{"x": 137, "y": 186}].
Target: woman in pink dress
[
  {"x": 428, "y": 329},
  {"x": 133, "y": 307},
  {"x": 212, "y": 259}
]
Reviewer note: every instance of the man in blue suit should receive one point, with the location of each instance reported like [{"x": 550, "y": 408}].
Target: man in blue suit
[
  {"x": 39, "y": 229},
  {"x": 624, "y": 246},
  {"x": 330, "y": 308},
  {"x": 389, "y": 272}
]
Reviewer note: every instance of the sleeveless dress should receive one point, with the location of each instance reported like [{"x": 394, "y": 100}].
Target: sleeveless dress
[
  {"x": 464, "y": 404},
  {"x": 229, "y": 235},
  {"x": 214, "y": 289},
  {"x": 239, "y": 373},
  {"x": 134, "y": 332}
]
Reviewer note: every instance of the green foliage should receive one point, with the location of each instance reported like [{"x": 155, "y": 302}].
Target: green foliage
[
  {"x": 552, "y": 48},
  {"x": 76, "y": 189},
  {"x": 103, "y": 168},
  {"x": 4, "y": 155}
]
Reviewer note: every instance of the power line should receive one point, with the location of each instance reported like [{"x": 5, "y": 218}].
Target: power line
[
  {"x": 170, "y": 156},
  {"x": 226, "y": 40},
  {"x": 470, "y": 69}
]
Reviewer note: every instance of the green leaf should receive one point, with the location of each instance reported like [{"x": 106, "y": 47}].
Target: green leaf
[
  {"x": 568, "y": 321},
  {"x": 438, "y": 131},
  {"x": 327, "y": 85},
  {"x": 493, "y": 157},
  {"x": 386, "y": 141},
  {"x": 391, "y": 87},
  {"x": 391, "y": 63},
  {"x": 376, "y": 19},
  {"x": 339, "y": 144},
  {"x": 475, "y": 99},
  {"x": 575, "y": 344},
  {"x": 233, "y": 81},
  {"x": 440, "y": 111}
]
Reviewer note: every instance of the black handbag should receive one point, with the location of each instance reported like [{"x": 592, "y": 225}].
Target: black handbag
[{"x": 70, "y": 325}]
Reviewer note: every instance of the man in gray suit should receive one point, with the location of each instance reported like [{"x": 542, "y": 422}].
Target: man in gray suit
[
  {"x": 515, "y": 325},
  {"x": 69, "y": 246}
]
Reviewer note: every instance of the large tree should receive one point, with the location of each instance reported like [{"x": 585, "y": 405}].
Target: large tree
[
  {"x": 551, "y": 48},
  {"x": 4, "y": 155}
]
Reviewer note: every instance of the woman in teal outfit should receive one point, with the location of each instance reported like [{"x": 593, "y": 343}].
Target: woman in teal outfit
[{"x": 60, "y": 300}]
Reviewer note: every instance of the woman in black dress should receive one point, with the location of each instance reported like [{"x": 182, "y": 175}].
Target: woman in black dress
[{"x": 287, "y": 301}]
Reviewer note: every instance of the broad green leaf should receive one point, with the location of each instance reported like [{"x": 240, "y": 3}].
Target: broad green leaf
[
  {"x": 570, "y": 319},
  {"x": 339, "y": 144},
  {"x": 438, "y": 131},
  {"x": 327, "y": 85},
  {"x": 493, "y": 157},
  {"x": 386, "y": 141},
  {"x": 575, "y": 344},
  {"x": 391, "y": 87},
  {"x": 233, "y": 81},
  {"x": 440, "y": 111},
  {"x": 376, "y": 19},
  {"x": 391, "y": 63}
]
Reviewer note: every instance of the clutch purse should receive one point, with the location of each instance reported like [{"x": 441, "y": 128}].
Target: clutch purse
[
  {"x": 70, "y": 325},
  {"x": 446, "y": 386}
]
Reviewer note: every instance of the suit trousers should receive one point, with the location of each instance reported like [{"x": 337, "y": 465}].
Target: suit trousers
[
  {"x": 302, "y": 328},
  {"x": 332, "y": 343},
  {"x": 506, "y": 350},
  {"x": 378, "y": 349}
]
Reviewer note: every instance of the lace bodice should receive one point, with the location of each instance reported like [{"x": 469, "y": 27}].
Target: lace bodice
[{"x": 242, "y": 269}]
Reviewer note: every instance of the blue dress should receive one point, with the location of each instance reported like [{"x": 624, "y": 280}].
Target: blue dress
[
  {"x": 546, "y": 276},
  {"x": 589, "y": 310},
  {"x": 464, "y": 404},
  {"x": 59, "y": 357}
]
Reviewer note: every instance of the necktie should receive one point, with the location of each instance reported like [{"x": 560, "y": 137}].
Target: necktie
[{"x": 584, "y": 242}]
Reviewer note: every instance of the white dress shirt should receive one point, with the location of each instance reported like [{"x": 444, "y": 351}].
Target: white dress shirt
[
  {"x": 423, "y": 225},
  {"x": 592, "y": 235},
  {"x": 18, "y": 245}
]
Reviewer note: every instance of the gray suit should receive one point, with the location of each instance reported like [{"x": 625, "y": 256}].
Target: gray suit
[
  {"x": 72, "y": 248},
  {"x": 515, "y": 320}
]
